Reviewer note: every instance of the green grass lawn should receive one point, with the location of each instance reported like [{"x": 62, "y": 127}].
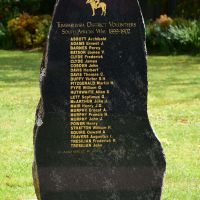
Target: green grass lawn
[{"x": 174, "y": 110}]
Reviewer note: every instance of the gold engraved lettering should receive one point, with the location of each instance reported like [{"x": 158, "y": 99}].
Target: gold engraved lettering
[{"x": 89, "y": 90}]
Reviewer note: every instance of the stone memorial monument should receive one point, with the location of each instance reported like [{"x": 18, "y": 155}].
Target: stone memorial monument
[{"x": 92, "y": 136}]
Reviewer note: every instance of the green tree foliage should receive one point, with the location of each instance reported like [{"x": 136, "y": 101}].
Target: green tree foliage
[
  {"x": 46, "y": 6},
  {"x": 189, "y": 9},
  {"x": 12, "y": 8},
  {"x": 163, "y": 4}
]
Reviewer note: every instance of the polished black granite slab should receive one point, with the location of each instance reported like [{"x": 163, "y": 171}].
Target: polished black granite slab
[{"x": 100, "y": 45}]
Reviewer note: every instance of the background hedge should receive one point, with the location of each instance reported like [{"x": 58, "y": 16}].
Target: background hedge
[{"x": 24, "y": 24}]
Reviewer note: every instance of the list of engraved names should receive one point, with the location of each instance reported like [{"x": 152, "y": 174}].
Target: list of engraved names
[{"x": 89, "y": 90}]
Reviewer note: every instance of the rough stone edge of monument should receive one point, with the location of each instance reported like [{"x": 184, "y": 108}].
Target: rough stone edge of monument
[{"x": 40, "y": 111}]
